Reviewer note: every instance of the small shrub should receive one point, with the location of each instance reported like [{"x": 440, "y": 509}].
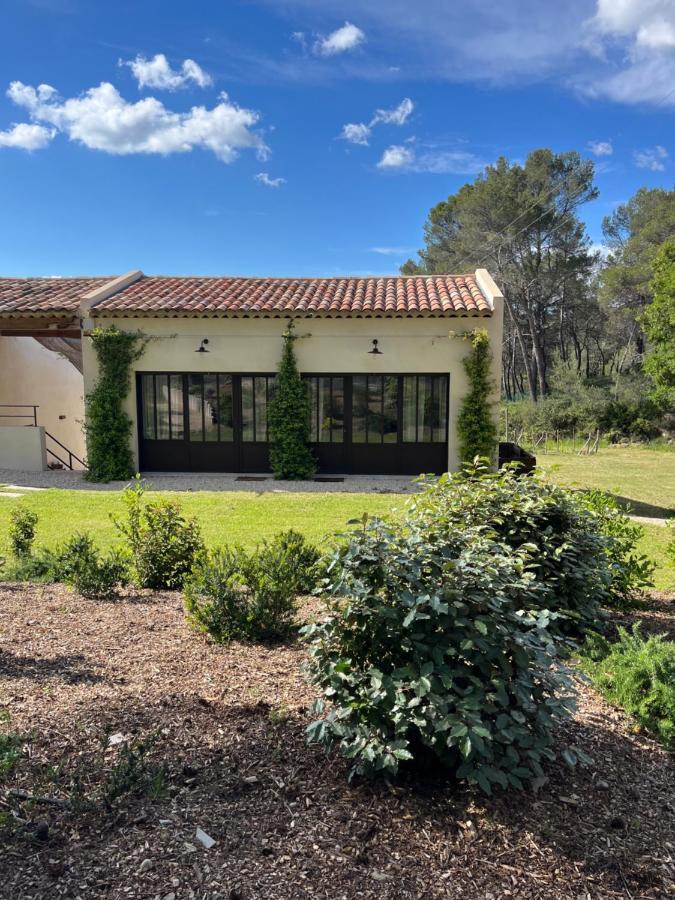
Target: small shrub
[
  {"x": 301, "y": 556},
  {"x": 87, "y": 571},
  {"x": 163, "y": 545},
  {"x": 216, "y": 600},
  {"x": 630, "y": 571},
  {"x": 23, "y": 522},
  {"x": 273, "y": 580},
  {"x": 41, "y": 566},
  {"x": 637, "y": 673},
  {"x": 430, "y": 650},
  {"x": 232, "y": 595}
]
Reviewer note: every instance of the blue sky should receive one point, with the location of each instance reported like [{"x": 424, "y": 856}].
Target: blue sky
[{"x": 297, "y": 137}]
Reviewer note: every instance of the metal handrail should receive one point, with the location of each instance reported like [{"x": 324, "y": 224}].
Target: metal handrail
[
  {"x": 32, "y": 406},
  {"x": 71, "y": 456}
]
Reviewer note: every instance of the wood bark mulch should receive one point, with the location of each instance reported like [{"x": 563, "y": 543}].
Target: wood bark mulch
[{"x": 83, "y": 680}]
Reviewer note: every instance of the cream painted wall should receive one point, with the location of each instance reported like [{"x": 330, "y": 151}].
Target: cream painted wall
[
  {"x": 325, "y": 345},
  {"x": 23, "y": 449},
  {"x": 29, "y": 373}
]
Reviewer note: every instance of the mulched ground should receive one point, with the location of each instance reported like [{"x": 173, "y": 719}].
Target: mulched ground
[{"x": 229, "y": 725}]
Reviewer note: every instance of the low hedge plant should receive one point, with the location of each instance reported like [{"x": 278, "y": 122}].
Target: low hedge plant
[{"x": 637, "y": 673}]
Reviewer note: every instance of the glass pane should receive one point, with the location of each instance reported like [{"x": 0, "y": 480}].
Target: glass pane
[
  {"x": 260, "y": 408},
  {"x": 425, "y": 408},
  {"x": 359, "y": 409},
  {"x": 390, "y": 419},
  {"x": 162, "y": 404},
  {"x": 148, "y": 401},
  {"x": 337, "y": 411},
  {"x": 195, "y": 407},
  {"x": 409, "y": 408},
  {"x": 312, "y": 394},
  {"x": 439, "y": 426},
  {"x": 324, "y": 410},
  {"x": 210, "y": 408},
  {"x": 247, "y": 408},
  {"x": 374, "y": 409},
  {"x": 176, "y": 401},
  {"x": 225, "y": 408}
]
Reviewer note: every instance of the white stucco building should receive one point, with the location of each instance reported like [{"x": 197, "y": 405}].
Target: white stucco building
[{"x": 382, "y": 358}]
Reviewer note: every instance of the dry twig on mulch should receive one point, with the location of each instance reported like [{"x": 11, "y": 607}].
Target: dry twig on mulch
[{"x": 88, "y": 685}]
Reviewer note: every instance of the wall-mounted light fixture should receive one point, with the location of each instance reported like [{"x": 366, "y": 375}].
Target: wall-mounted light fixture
[
  {"x": 375, "y": 349},
  {"x": 202, "y": 346}
]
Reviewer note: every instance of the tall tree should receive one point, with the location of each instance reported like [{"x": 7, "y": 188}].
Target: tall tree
[
  {"x": 659, "y": 324},
  {"x": 634, "y": 233},
  {"x": 521, "y": 222}
]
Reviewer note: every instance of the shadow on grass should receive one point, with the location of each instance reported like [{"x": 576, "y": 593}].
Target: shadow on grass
[{"x": 639, "y": 508}]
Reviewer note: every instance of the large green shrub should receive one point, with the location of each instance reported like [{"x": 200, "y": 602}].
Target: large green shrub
[
  {"x": 568, "y": 554},
  {"x": 288, "y": 418},
  {"x": 431, "y": 650},
  {"x": 107, "y": 426},
  {"x": 163, "y": 545},
  {"x": 630, "y": 570},
  {"x": 637, "y": 673},
  {"x": 23, "y": 522},
  {"x": 476, "y": 428}
]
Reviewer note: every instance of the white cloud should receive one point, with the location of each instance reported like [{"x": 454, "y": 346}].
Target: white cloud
[
  {"x": 392, "y": 251},
  {"x": 601, "y": 148},
  {"x": 359, "y": 132},
  {"x": 157, "y": 73},
  {"x": 435, "y": 161},
  {"x": 265, "y": 179},
  {"x": 650, "y": 22},
  {"x": 396, "y": 157},
  {"x": 622, "y": 50},
  {"x": 101, "y": 119},
  {"x": 340, "y": 41},
  {"x": 26, "y": 137},
  {"x": 652, "y": 159},
  {"x": 643, "y": 33},
  {"x": 356, "y": 133},
  {"x": 397, "y": 116}
]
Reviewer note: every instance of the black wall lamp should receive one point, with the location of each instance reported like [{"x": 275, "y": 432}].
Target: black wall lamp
[
  {"x": 202, "y": 346},
  {"x": 375, "y": 348}
]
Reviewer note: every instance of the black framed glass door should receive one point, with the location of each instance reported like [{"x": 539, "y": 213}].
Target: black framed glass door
[{"x": 360, "y": 423}]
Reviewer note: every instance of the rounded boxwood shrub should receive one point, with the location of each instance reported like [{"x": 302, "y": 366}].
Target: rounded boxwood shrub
[{"x": 436, "y": 644}]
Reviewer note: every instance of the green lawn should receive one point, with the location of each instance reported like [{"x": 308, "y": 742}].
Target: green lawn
[
  {"x": 225, "y": 517},
  {"x": 643, "y": 477}
]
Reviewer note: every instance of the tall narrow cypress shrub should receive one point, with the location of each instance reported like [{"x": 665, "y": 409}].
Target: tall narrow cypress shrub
[
  {"x": 288, "y": 418},
  {"x": 107, "y": 426},
  {"x": 476, "y": 427}
]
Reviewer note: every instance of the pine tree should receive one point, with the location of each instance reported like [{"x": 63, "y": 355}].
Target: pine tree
[{"x": 290, "y": 455}]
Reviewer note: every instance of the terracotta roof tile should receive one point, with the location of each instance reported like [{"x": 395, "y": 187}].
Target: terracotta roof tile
[
  {"x": 442, "y": 295},
  {"x": 438, "y": 295},
  {"x": 44, "y": 295}
]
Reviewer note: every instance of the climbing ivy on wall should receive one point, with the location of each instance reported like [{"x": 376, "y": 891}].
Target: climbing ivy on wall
[
  {"x": 476, "y": 428},
  {"x": 107, "y": 426},
  {"x": 288, "y": 419}
]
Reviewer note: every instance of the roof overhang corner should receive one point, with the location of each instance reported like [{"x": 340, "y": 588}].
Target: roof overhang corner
[
  {"x": 103, "y": 291},
  {"x": 487, "y": 285}
]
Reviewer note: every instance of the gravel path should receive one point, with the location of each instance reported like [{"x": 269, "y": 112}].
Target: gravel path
[{"x": 186, "y": 481}]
